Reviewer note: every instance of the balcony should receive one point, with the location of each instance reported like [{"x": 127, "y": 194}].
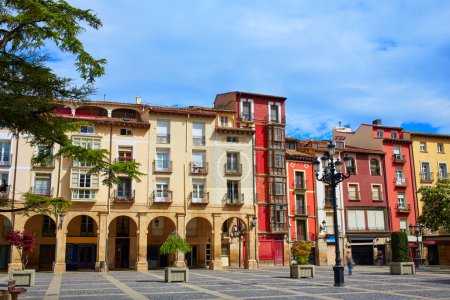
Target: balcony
[
  {"x": 234, "y": 199},
  {"x": 426, "y": 177},
  {"x": 401, "y": 182},
  {"x": 299, "y": 185},
  {"x": 48, "y": 163},
  {"x": 164, "y": 196},
  {"x": 123, "y": 196},
  {"x": 302, "y": 210},
  {"x": 233, "y": 169},
  {"x": 354, "y": 196},
  {"x": 246, "y": 117},
  {"x": 198, "y": 140},
  {"x": 278, "y": 227},
  {"x": 199, "y": 198},
  {"x": 6, "y": 160},
  {"x": 278, "y": 199},
  {"x": 403, "y": 208},
  {"x": 275, "y": 120},
  {"x": 162, "y": 166},
  {"x": 83, "y": 195},
  {"x": 42, "y": 191},
  {"x": 198, "y": 168},
  {"x": 4, "y": 191},
  {"x": 163, "y": 138},
  {"x": 398, "y": 158},
  {"x": 124, "y": 159},
  {"x": 377, "y": 196}
]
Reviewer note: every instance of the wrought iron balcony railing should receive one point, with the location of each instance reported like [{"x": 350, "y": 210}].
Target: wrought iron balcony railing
[
  {"x": 199, "y": 197},
  {"x": 124, "y": 159},
  {"x": 247, "y": 117},
  {"x": 6, "y": 160},
  {"x": 399, "y": 158},
  {"x": 198, "y": 140},
  {"x": 278, "y": 227},
  {"x": 401, "y": 182},
  {"x": 124, "y": 196},
  {"x": 233, "y": 169},
  {"x": 299, "y": 184},
  {"x": 162, "y": 166},
  {"x": 234, "y": 198},
  {"x": 164, "y": 196},
  {"x": 163, "y": 138},
  {"x": 403, "y": 208},
  {"x": 426, "y": 176},
  {"x": 42, "y": 191},
  {"x": 198, "y": 168}
]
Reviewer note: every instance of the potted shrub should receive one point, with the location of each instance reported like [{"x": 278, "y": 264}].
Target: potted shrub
[
  {"x": 174, "y": 244},
  {"x": 24, "y": 243},
  {"x": 401, "y": 260},
  {"x": 301, "y": 268}
]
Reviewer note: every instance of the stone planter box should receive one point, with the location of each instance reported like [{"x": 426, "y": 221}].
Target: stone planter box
[
  {"x": 23, "y": 277},
  {"x": 174, "y": 274},
  {"x": 402, "y": 268},
  {"x": 302, "y": 271}
]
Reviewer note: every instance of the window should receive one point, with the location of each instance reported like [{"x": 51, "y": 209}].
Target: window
[
  {"x": 330, "y": 223},
  {"x": 299, "y": 182},
  {"x": 125, "y": 153},
  {"x": 443, "y": 171},
  {"x": 83, "y": 186},
  {"x": 376, "y": 193},
  {"x": 291, "y": 145},
  {"x": 404, "y": 225},
  {"x": 374, "y": 167},
  {"x": 301, "y": 230},
  {"x": 355, "y": 220},
  {"x": 300, "y": 204},
  {"x": 84, "y": 181},
  {"x": 423, "y": 147},
  {"x": 4, "y": 189},
  {"x": 233, "y": 191},
  {"x": 87, "y": 129},
  {"x": 401, "y": 202},
  {"x": 207, "y": 253},
  {"x": 87, "y": 226},
  {"x": 375, "y": 220},
  {"x": 45, "y": 151},
  {"x": 274, "y": 113},
  {"x": 440, "y": 148},
  {"x": 42, "y": 185},
  {"x": 278, "y": 217},
  {"x": 340, "y": 144},
  {"x": 232, "y": 166},
  {"x": 247, "y": 113},
  {"x": 198, "y": 191},
  {"x": 353, "y": 192},
  {"x": 87, "y": 143},
  {"x": 5, "y": 153},
  {"x": 425, "y": 173},
  {"x": 223, "y": 121},
  {"x": 394, "y": 135},
  {"x": 48, "y": 226},
  {"x": 124, "y": 188},
  {"x": 400, "y": 180},
  {"x": 353, "y": 166},
  {"x": 162, "y": 132},
  {"x": 278, "y": 134},
  {"x": 126, "y": 132},
  {"x": 198, "y": 134},
  {"x": 162, "y": 190},
  {"x": 232, "y": 139},
  {"x": 279, "y": 186},
  {"x": 328, "y": 195},
  {"x": 379, "y": 133},
  {"x": 397, "y": 153},
  {"x": 225, "y": 250},
  {"x": 123, "y": 226},
  {"x": 162, "y": 162}
]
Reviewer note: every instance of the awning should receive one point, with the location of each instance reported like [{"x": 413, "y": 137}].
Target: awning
[
  {"x": 412, "y": 245},
  {"x": 430, "y": 242},
  {"x": 331, "y": 239},
  {"x": 361, "y": 239}
]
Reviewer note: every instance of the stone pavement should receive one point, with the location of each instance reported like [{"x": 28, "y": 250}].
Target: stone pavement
[{"x": 365, "y": 283}]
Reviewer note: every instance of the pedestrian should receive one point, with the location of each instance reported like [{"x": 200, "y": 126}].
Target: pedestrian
[
  {"x": 380, "y": 258},
  {"x": 350, "y": 262}
]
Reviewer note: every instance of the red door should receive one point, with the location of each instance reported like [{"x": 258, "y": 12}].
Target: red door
[{"x": 279, "y": 253}]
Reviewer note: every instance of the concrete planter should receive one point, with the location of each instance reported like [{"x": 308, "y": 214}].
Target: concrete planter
[
  {"x": 302, "y": 271},
  {"x": 402, "y": 268},
  {"x": 23, "y": 277},
  {"x": 174, "y": 274}
]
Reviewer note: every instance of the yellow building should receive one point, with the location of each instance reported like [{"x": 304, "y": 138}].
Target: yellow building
[
  {"x": 198, "y": 180},
  {"x": 431, "y": 155}
]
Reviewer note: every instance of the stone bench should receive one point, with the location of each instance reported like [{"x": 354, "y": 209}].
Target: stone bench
[{"x": 9, "y": 290}]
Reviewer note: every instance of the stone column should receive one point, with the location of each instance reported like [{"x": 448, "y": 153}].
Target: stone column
[
  {"x": 102, "y": 236},
  {"x": 60, "y": 261},
  {"x": 142, "y": 264},
  {"x": 250, "y": 247},
  {"x": 181, "y": 229},
  {"x": 16, "y": 263},
  {"x": 216, "y": 251}
]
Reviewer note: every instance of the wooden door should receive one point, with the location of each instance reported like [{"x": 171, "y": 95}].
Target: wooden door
[{"x": 279, "y": 255}]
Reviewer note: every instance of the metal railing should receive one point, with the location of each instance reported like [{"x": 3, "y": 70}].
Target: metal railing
[
  {"x": 275, "y": 119},
  {"x": 6, "y": 160},
  {"x": 301, "y": 210},
  {"x": 233, "y": 169},
  {"x": 48, "y": 163},
  {"x": 300, "y": 184},
  {"x": 278, "y": 227},
  {"x": 403, "y": 208},
  {"x": 125, "y": 196},
  {"x": 4, "y": 191},
  {"x": 164, "y": 196},
  {"x": 401, "y": 182},
  {"x": 426, "y": 176},
  {"x": 162, "y": 166},
  {"x": 199, "y": 198},
  {"x": 198, "y": 140},
  {"x": 163, "y": 138},
  {"x": 200, "y": 168},
  {"x": 42, "y": 191},
  {"x": 399, "y": 158},
  {"x": 123, "y": 158},
  {"x": 234, "y": 199},
  {"x": 247, "y": 117}
]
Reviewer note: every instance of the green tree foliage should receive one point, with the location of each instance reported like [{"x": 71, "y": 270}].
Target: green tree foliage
[
  {"x": 436, "y": 205},
  {"x": 30, "y": 90},
  {"x": 400, "y": 248},
  {"x": 302, "y": 251},
  {"x": 174, "y": 244}
]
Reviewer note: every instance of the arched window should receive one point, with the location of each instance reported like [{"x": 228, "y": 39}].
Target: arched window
[{"x": 374, "y": 167}]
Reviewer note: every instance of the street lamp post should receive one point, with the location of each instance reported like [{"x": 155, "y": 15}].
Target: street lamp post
[
  {"x": 418, "y": 229},
  {"x": 333, "y": 176},
  {"x": 238, "y": 231}
]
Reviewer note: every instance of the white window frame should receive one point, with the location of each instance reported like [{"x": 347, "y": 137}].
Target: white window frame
[{"x": 87, "y": 129}]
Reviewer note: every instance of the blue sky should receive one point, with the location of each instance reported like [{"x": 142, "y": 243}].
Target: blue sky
[{"x": 335, "y": 61}]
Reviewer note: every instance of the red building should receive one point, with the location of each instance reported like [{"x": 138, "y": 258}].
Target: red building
[
  {"x": 398, "y": 167},
  {"x": 366, "y": 205},
  {"x": 266, "y": 115}
]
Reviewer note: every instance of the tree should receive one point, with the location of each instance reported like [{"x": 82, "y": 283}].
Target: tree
[
  {"x": 174, "y": 244},
  {"x": 302, "y": 251},
  {"x": 23, "y": 241},
  {"x": 400, "y": 248},
  {"x": 30, "y": 90},
  {"x": 436, "y": 205}
]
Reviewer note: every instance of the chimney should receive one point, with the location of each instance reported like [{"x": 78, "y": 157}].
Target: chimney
[
  {"x": 376, "y": 122},
  {"x": 138, "y": 100}
]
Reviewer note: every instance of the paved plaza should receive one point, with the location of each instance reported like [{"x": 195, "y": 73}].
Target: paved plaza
[{"x": 365, "y": 283}]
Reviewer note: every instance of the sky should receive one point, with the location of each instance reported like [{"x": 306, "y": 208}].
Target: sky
[{"x": 335, "y": 61}]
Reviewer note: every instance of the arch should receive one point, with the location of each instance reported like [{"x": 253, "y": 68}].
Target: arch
[
  {"x": 62, "y": 110},
  {"x": 158, "y": 230},
  {"x": 374, "y": 167},
  {"x": 125, "y": 113},
  {"x": 4, "y": 246},
  {"x": 199, "y": 235},
  {"x": 81, "y": 243},
  {"x": 233, "y": 231},
  {"x": 122, "y": 242},
  {"x": 82, "y": 226},
  {"x": 44, "y": 229},
  {"x": 91, "y": 111}
]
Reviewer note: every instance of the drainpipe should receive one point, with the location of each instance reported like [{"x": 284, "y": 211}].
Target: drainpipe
[
  {"x": 109, "y": 197},
  {"x": 13, "y": 214},
  {"x": 383, "y": 161},
  {"x": 59, "y": 177},
  {"x": 413, "y": 180},
  {"x": 255, "y": 204}
]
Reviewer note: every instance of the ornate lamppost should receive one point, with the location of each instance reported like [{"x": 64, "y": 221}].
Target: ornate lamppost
[
  {"x": 333, "y": 176},
  {"x": 238, "y": 231},
  {"x": 418, "y": 231}
]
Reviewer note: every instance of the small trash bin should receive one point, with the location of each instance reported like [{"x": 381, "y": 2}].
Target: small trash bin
[{"x": 102, "y": 266}]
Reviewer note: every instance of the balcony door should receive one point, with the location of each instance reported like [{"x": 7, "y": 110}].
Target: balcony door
[
  {"x": 397, "y": 153},
  {"x": 425, "y": 169},
  {"x": 124, "y": 187},
  {"x": 162, "y": 189},
  {"x": 162, "y": 160},
  {"x": 198, "y": 191},
  {"x": 443, "y": 170},
  {"x": 399, "y": 176},
  {"x": 232, "y": 162},
  {"x": 42, "y": 185},
  {"x": 198, "y": 160},
  {"x": 5, "y": 151},
  {"x": 301, "y": 230}
]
